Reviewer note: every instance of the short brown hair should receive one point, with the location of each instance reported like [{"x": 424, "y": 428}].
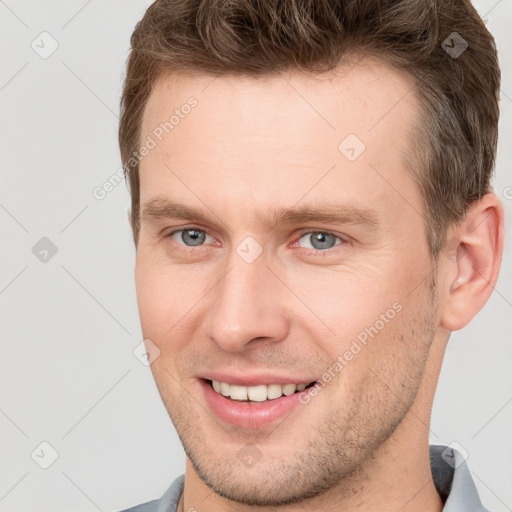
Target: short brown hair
[{"x": 455, "y": 137}]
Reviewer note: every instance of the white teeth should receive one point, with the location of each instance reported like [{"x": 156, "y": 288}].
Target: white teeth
[
  {"x": 289, "y": 389},
  {"x": 256, "y": 393},
  {"x": 238, "y": 393},
  {"x": 274, "y": 391},
  {"x": 225, "y": 388}
]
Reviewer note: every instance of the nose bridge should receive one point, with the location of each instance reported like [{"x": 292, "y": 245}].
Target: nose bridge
[{"x": 246, "y": 304}]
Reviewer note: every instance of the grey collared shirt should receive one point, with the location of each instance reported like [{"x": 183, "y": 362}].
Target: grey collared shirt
[{"x": 449, "y": 471}]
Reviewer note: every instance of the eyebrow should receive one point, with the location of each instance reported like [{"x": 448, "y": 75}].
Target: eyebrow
[{"x": 337, "y": 213}]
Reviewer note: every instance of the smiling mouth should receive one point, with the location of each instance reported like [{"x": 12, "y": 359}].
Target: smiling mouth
[{"x": 256, "y": 394}]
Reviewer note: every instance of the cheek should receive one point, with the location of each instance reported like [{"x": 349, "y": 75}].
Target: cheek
[
  {"x": 167, "y": 295},
  {"x": 363, "y": 309},
  {"x": 346, "y": 300},
  {"x": 379, "y": 365}
]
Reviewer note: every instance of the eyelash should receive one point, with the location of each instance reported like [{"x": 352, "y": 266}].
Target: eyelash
[{"x": 311, "y": 251}]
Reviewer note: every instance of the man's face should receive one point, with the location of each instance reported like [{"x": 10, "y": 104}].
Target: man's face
[{"x": 242, "y": 292}]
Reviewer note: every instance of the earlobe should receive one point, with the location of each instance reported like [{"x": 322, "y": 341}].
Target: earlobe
[{"x": 477, "y": 246}]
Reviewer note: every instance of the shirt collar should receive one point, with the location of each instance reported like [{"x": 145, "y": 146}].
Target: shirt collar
[{"x": 453, "y": 480}]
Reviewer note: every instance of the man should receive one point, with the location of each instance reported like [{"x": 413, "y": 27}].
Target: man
[{"x": 313, "y": 217}]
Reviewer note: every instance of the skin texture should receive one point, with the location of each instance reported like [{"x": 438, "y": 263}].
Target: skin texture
[{"x": 252, "y": 145}]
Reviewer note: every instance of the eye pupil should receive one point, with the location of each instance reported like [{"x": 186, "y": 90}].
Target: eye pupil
[
  {"x": 322, "y": 240},
  {"x": 193, "y": 236}
]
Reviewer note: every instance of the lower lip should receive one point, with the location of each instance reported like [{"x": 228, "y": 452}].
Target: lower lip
[{"x": 245, "y": 414}]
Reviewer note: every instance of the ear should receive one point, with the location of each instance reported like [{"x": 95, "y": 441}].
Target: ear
[{"x": 472, "y": 257}]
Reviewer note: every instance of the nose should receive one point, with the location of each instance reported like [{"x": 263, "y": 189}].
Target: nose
[{"x": 248, "y": 306}]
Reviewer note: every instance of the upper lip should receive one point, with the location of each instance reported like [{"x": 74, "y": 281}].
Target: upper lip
[{"x": 254, "y": 380}]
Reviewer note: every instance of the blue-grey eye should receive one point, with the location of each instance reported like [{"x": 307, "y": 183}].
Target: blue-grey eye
[
  {"x": 320, "y": 240},
  {"x": 189, "y": 237}
]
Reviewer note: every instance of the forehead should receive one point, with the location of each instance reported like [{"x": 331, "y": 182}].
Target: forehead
[
  {"x": 273, "y": 139},
  {"x": 356, "y": 96}
]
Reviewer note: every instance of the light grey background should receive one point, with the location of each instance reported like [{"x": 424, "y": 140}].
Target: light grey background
[{"x": 70, "y": 325}]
